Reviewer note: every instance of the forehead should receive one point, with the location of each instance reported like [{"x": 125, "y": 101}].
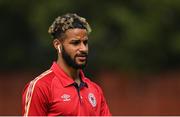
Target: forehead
[{"x": 76, "y": 33}]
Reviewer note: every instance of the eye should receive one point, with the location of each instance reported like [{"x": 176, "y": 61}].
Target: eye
[
  {"x": 85, "y": 42},
  {"x": 75, "y": 42}
]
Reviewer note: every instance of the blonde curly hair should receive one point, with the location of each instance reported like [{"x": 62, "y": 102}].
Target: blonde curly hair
[{"x": 65, "y": 22}]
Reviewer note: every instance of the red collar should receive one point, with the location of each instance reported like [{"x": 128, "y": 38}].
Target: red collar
[{"x": 65, "y": 79}]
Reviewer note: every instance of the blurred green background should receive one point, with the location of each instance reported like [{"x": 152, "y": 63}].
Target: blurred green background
[
  {"x": 135, "y": 35},
  {"x": 133, "y": 45}
]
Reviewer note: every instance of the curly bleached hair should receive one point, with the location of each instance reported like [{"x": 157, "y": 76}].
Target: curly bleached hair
[{"x": 65, "y": 22}]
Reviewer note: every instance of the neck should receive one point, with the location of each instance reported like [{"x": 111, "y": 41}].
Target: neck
[{"x": 71, "y": 72}]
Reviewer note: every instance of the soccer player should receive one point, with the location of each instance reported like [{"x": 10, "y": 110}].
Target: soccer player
[{"x": 63, "y": 90}]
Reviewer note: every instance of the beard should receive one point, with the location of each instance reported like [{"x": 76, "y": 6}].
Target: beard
[{"x": 72, "y": 61}]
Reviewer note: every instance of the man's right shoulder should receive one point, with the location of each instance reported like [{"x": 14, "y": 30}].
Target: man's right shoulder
[
  {"x": 46, "y": 76},
  {"x": 44, "y": 79}
]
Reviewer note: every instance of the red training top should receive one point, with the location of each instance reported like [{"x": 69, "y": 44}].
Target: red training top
[{"x": 54, "y": 93}]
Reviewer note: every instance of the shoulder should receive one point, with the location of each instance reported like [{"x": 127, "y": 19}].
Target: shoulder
[
  {"x": 44, "y": 80},
  {"x": 93, "y": 85},
  {"x": 39, "y": 87}
]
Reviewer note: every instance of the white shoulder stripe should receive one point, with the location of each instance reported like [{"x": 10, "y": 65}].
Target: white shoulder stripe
[{"x": 31, "y": 89}]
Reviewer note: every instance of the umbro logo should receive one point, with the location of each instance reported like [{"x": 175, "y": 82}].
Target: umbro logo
[{"x": 66, "y": 97}]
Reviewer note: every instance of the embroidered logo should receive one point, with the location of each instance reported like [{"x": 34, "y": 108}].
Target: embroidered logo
[
  {"x": 92, "y": 99},
  {"x": 66, "y": 97}
]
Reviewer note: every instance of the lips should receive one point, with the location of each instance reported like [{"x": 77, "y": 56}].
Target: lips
[{"x": 82, "y": 57}]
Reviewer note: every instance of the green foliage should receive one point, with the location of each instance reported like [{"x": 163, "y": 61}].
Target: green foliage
[{"x": 136, "y": 35}]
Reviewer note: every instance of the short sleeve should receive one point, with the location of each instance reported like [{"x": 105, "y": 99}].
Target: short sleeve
[
  {"x": 104, "y": 111},
  {"x": 35, "y": 100}
]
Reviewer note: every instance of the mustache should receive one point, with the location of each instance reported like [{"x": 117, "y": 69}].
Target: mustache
[{"x": 82, "y": 55}]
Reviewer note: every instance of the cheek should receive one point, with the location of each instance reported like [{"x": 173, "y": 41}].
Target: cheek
[
  {"x": 72, "y": 54},
  {"x": 71, "y": 51},
  {"x": 87, "y": 49}
]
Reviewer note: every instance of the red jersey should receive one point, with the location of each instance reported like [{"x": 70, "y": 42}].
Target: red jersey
[{"x": 54, "y": 93}]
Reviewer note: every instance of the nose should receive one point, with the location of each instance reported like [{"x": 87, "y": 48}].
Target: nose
[{"x": 83, "y": 48}]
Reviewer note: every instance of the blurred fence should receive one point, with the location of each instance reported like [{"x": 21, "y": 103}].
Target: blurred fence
[{"x": 126, "y": 93}]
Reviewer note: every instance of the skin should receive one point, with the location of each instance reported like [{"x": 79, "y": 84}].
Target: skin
[{"x": 76, "y": 45}]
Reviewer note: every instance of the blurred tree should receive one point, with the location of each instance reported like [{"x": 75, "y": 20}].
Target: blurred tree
[{"x": 136, "y": 35}]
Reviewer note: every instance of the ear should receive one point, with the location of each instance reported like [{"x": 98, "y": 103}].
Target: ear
[{"x": 57, "y": 44}]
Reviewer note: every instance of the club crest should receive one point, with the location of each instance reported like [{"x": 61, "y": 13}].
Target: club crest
[{"x": 92, "y": 99}]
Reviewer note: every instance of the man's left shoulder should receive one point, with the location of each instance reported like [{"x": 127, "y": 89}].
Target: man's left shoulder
[{"x": 93, "y": 84}]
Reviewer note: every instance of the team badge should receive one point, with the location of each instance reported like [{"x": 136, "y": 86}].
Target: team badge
[
  {"x": 92, "y": 99},
  {"x": 66, "y": 97}
]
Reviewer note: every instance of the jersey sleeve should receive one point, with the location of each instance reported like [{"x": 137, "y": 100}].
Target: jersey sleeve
[
  {"x": 104, "y": 111},
  {"x": 35, "y": 100}
]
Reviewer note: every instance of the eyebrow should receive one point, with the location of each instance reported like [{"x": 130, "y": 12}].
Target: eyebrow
[{"x": 76, "y": 39}]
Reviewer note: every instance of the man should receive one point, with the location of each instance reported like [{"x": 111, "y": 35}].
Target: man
[{"x": 63, "y": 89}]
